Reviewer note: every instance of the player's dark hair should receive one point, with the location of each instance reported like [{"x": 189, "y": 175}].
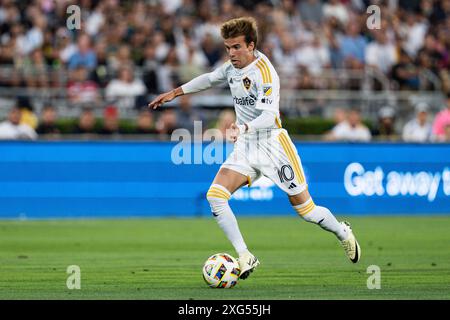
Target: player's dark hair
[{"x": 245, "y": 26}]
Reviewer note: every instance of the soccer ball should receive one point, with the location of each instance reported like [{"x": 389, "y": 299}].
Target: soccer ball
[{"x": 221, "y": 271}]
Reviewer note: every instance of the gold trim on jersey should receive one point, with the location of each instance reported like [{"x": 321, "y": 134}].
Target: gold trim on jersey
[
  {"x": 265, "y": 71},
  {"x": 278, "y": 122},
  {"x": 268, "y": 70},
  {"x": 291, "y": 156}
]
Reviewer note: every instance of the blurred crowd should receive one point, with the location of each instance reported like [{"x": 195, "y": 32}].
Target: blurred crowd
[
  {"x": 174, "y": 40},
  {"x": 126, "y": 51},
  {"x": 422, "y": 127},
  {"x": 23, "y": 124}
]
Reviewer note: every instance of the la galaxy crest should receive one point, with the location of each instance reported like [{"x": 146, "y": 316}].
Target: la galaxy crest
[{"x": 247, "y": 82}]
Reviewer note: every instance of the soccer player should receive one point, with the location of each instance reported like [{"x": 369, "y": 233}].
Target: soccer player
[{"x": 262, "y": 146}]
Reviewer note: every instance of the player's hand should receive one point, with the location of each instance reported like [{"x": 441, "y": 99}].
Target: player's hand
[
  {"x": 161, "y": 99},
  {"x": 234, "y": 132}
]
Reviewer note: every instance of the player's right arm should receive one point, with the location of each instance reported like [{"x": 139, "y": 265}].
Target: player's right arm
[
  {"x": 200, "y": 83},
  {"x": 165, "y": 97}
]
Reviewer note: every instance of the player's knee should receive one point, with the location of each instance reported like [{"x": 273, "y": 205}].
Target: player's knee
[{"x": 218, "y": 197}]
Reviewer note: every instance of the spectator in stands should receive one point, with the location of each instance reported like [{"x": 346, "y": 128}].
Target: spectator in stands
[
  {"x": 167, "y": 122},
  {"x": 168, "y": 72},
  {"x": 314, "y": 56},
  {"x": 336, "y": 9},
  {"x": 351, "y": 130},
  {"x": 418, "y": 129},
  {"x": 311, "y": 12},
  {"x": 124, "y": 90},
  {"x": 66, "y": 48},
  {"x": 162, "y": 48},
  {"x": 27, "y": 27},
  {"x": 28, "y": 116},
  {"x": 100, "y": 74},
  {"x": 86, "y": 122},
  {"x": 170, "y": 44},
  {"x": 441, "y": 11},
  {"x": 49, "y": 49},
  {"x": 447, "y": 133},
  {"x": 85, "y": 56},
  {"x": 145, "y": 124},
  {"x": 80, "y": 89},
  {"x": 137, "y": 42},
  {"x": 441, "y": 123},
  {"x": 12, "y": 129},
  {"x": 413, "y": 30},
  {"x": 405, "y": 73},
  {"x": 433, "y": 51},
  {"x": 110, "y": 121},
  {"x": 285, "y": 56},
  {"x": 96, "y": 19},
  {"x": 193, "y": 61},
  {"x": 305, "y": 79},
  {"x": 332, "y": 37},
  {"x": 339, "y": 116},
  {"x": 381, "y": 54},
  {"x": 443, "y": 46},
  {"x": 35, "y": 70},
  {"x": 34, "y": 37},
  {"x": 47, "y": 124},
  {"x": 150, "y": 70},
  {"x": 385, "y": 127},
  {"x": 211, "y": 49},
  {"x": 10, "y": 43},
  {"x": 121, "y": 58},
  {"x": 352, "y": 46},
  {"x": 186, "y": 115}
]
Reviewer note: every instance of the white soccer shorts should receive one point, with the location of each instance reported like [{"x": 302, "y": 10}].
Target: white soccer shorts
[{"x": 270, "y": 153}]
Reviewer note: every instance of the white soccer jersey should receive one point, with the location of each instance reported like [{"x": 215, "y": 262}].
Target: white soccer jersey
[{"x": 254, "y": 88}]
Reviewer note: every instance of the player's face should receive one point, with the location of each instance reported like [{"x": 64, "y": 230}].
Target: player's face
[{"x": 239, "y": 52}]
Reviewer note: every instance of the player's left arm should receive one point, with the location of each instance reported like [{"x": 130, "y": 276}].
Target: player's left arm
[
  {"x": 265, "y": 120},
  {"x": 165, "y": 97}
]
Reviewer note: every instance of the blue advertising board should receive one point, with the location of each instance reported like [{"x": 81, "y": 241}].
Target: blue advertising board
[{"x": 136, "y": 179}]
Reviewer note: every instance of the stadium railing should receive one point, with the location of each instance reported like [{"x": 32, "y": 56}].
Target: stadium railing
[{"x": 335, "y": 88}]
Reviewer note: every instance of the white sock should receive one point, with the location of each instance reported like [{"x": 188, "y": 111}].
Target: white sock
[
  {"x": 323, "y": 217},
  {"x": 218, "y": 197}
]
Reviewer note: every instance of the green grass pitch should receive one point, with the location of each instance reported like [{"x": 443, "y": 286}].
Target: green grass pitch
[{"x": 162, "y": 259}]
